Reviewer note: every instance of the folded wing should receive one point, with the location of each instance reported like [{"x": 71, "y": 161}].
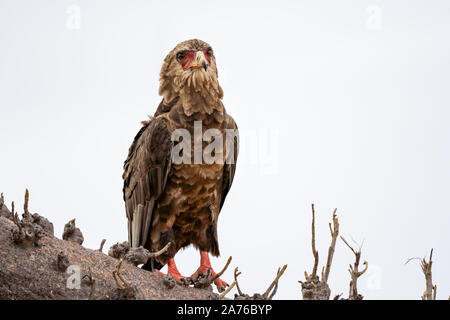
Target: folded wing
[{"x": 145, "y": 174}]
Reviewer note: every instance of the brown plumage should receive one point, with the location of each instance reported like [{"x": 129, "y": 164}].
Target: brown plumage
[{"x": 179, "y": 203}]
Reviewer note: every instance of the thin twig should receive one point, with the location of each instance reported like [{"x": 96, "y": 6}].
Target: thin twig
[
  {"x": 160, "y": 252},
  {"x": 334, "y": 233},
  {"x": 15, "y": 216},
  {"x": 116, "y": 274},
  {"x": 25, "y": 204},
  {"x": 91, "y": 283},
  {"x": 313, "y": 243},
  {"x": 411, "y": 259},
  {"x": 236, "y": 275},
  {"x": 12, "y": 211},
  {"x": 351, "y": 248},
  {"x": 101, "y": 245},
  {"x": 275, "y": 288},
  {"x": 217, "y": 275},
  {"x": 274, "y": 282}
]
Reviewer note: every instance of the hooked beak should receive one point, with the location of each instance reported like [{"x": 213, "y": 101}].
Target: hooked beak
[{"x": 200, "y": 61}]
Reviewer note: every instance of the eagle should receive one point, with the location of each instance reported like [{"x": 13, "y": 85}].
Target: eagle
[{"x": 172, "y": 189}]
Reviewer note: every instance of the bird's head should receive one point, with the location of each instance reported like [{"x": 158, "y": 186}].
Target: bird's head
[{"x": 188, "y": 69}]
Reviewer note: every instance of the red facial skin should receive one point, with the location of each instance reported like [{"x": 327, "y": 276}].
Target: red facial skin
[{"x": 189, "y": 58}]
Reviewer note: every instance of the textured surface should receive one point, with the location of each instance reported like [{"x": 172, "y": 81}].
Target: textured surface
[{"x": 33, "y": 273}]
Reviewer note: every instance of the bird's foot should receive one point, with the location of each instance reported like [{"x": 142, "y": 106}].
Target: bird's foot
[
  {"x": 179, "y": 278},
  {"x": 172, "y": 270},
  {"x": 176, "y": 276},
  {"x": 221, "y": 285},
  {"x": 204, "y": 276}
]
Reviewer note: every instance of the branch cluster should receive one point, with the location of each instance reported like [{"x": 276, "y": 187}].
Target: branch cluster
[
  {"x": 30, "y": 228},
  {"x": 314, "y": 288},
  {"x": 430, "y": 288},
  {"x": 267, "y": 295},
  {"x": 355, "y": 273}
]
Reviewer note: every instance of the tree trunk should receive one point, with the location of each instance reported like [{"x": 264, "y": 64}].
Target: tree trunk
[{"x": 36, "y": 272}]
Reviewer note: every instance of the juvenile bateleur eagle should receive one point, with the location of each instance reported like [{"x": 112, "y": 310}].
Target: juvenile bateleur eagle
[{"x": 179, "y": 202}]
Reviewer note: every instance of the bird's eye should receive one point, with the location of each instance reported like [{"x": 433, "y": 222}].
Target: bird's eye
[
  {"x": 209, "y": 52},
  {"x": 180, "y": 56}
]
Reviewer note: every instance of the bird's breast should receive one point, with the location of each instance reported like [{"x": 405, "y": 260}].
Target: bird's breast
[{"x": 192, "y": 194}]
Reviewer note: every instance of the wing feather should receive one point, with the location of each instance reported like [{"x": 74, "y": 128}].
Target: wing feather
[
  {"x": 229, "y": 168},
  {"x": 145, "y": 174}
]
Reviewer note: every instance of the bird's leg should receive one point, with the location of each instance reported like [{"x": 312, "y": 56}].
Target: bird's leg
[
  {"x": 205, "y": 265},
  {"x": 173, "y": 271}
]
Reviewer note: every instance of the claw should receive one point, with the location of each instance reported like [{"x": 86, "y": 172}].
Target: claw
[
  {"x": 173, "y": 271},
  {"x": 189, "y": 280},
  {"x": 205, "y": 275},
  {"x": 179, "y": 279},
  {"x": 221, "y": 285}
]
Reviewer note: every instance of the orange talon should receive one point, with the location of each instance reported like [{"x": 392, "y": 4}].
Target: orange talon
[
  {"x": 205, "y": 265},
  {"x": 173, "y": 271}
]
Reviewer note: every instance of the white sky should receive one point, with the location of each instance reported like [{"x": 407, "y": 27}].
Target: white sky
[{"x": 341, "y": 103}]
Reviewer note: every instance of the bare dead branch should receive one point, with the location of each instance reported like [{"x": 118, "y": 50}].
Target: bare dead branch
[
  {"x": 430, "y": 289},
  {"x": 116, "y": 274},
  {"x": 334, "y": 234},
  {"x": 355, "y": 273},
  {"x": 313, "y": 243},
  {"x": 217, "y": 275},
  {"x": 426, "y": 268},
  {"x": 101, "y": 245},
  {"x": 314, "y": 288},
  {"x": 236, "y": 275},
  {"x": 14, "y": 216},
  {"x": 351, "y": 248},
  {"x": 274, "y": 282},
  {"x": 160, "y": 252},
  {"x": 275, "y": 289},
  {"x": 25, "y": 204},
  {"x": 411, "y": 259},
  {"x": 91, "y": 283}
]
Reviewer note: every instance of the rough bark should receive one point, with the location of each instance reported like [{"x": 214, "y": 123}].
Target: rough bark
[{"x": 42, "y": 271}]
